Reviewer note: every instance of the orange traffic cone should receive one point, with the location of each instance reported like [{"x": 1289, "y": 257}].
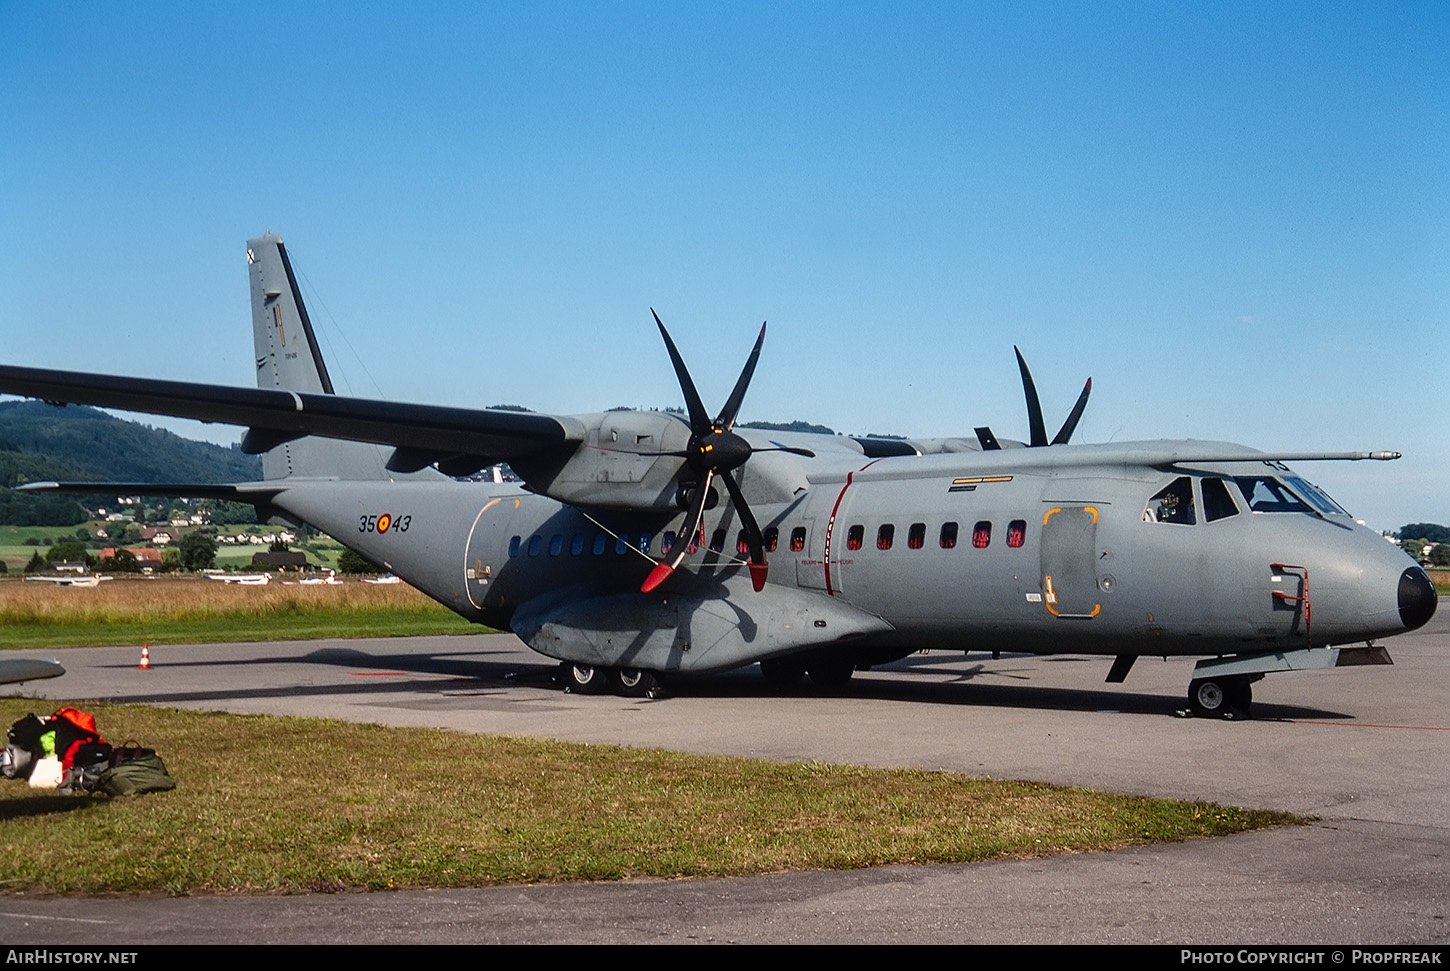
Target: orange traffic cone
[{"x": 145, "y": 664}]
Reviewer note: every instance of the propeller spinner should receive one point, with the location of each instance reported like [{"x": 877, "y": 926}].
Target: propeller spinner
[{"x": 715, "y": 450}]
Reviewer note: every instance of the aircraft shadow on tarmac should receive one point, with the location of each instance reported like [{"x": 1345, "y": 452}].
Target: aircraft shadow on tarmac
[{"x": 999, "y": 683}]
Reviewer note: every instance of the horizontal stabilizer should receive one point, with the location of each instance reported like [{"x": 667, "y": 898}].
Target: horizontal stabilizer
[{"x": 244, "y": 492}]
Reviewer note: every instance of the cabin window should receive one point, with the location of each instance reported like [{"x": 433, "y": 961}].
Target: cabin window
[
  {"x": 1264, "y": 493},
  {"x": 1217, "y": 502},
  {"x": 797, "y": 539},
  {"x": 515, "y": 544},
  {"x": 742, "y": 543},
  {"x": 1016, "y": 533},
  {"x": 772, "y": 539},
  {"x": 667, "y": 542},
  {"x": 644, "y": 540},
  {"x": 556, "y": 545},
  {"x": 576, "y": 545},
  {"x": 1174, "y": 504},
  {"x": 600, "y": 541},
  {"x": 621, "y": 544},
  {"x": 717, "y": 541},
  {"x": 535, "y": 542},
  {"x": 948, "y": 538},
  {"x": 885, "y": 536},
  {"x": 982, "y": 535},
  {"x": 916, "y": 536},
  {"x": 855, "y": 536}
]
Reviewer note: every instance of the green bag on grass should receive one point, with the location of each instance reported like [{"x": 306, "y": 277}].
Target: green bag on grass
[{"x": 144, "y": 773}]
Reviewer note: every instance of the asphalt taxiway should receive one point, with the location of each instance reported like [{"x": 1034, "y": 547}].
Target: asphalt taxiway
[{"x": 1364, "y": 749}]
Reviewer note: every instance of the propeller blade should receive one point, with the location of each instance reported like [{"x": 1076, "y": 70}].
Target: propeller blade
[
  {"x": 1034, "y": 406},
  {"x": 1070, "y": 426},
  {"x": 737, "y": 397},
  {"x": 758, "y": 566},
  {"x": 699, "y": 417},
  {"x": 694, "y": 517},
  {"x": 777, "y": 447}
]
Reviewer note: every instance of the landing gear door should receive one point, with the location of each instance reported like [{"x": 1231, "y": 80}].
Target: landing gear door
[{"x": 1069, "y": 562}]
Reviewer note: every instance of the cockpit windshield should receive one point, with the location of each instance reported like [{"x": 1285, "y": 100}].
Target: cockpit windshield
[
  {"x": 1265, "y": 493},
  {"x": 1316, "y": 496}
]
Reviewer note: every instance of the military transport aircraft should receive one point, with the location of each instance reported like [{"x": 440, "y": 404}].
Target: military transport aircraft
[{"x": 645, "y": 543}]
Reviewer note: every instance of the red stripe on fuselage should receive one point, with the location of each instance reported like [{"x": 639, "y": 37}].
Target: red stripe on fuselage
[{"x": 831, "y": 525}]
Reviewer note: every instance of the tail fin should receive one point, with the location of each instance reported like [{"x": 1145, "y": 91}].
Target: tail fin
[{"x": 288, "y": 359}]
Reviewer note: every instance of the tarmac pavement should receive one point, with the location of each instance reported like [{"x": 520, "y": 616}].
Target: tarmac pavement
[{"x": 1364, "y": 749}]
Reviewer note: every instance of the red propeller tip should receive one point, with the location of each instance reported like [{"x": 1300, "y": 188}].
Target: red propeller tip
[
  {"x": 658, "y": 575},
  {"x": 757, "y": 575}
]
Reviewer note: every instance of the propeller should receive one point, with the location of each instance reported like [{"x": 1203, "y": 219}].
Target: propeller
[
  {"x": 1034, "y": 409},
  {"x": 714, "y": 450}
]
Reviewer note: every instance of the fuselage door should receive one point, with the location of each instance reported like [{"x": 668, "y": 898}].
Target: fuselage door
[
  {"x": 810, "y": 558},
  {"x": 1069, "y": 561},
  {"x": 486, "y": 547}
]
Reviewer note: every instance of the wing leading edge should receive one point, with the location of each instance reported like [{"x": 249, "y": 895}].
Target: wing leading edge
[{"x": 274, "y": 416}]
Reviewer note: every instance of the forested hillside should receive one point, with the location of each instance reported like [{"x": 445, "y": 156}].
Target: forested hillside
[{"x": 40, "y": 441}]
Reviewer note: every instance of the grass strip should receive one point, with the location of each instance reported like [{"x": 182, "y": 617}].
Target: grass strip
[
  {"x": 194, "y": 609},
  {"x": 268, "y": 805}
]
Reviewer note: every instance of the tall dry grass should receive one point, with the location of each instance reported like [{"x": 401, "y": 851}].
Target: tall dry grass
[{"x": 195, "y": 598}]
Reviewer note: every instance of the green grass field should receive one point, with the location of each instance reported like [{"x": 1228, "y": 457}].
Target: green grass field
[{"x": 267, "y": 805}]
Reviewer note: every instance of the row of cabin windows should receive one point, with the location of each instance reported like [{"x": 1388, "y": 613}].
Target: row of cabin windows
[
  {"x": 855, "y": 536},
  {"x": 946, "y": 537}
]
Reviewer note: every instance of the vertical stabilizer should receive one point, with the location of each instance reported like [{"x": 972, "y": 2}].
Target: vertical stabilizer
[{"x": 289, "y": 359}]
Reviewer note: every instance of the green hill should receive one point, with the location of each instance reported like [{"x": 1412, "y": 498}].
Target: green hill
[{"x": 40, "y": 441}]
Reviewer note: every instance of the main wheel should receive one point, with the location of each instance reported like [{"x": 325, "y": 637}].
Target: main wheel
[
  {"x": 1226, "y": 698},
  {"x": 1207, "y": 697},
  {"x": 585, "y": 679},
  {"x": 634, "y": 683}
]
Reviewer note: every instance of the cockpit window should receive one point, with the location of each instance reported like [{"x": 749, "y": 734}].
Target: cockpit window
[
  {"x": 1173, "y": 505},
  {"x": 1266, "y": 494},
  {"x": 1218, "y": 503},
  {"x": 1316, "y": 496}
]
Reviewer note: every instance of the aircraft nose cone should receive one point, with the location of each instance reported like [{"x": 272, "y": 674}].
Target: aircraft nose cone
[{"x": 1417, "y": 598}]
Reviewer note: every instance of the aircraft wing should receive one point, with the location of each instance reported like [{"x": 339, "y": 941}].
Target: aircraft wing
[
  {"x": 274, "y": 417},
  {"x": 13, "y": 670}
]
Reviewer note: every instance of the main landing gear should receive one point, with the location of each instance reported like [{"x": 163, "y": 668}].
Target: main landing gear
[
  {"x": 589, "y": 679},
  {"x": 1229, "y": 698}
]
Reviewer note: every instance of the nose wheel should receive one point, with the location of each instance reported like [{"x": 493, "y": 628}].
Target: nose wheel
[{"x": 1226, "y": 698}]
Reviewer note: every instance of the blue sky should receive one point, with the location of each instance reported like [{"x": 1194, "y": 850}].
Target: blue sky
[{"x": 1235, "y": 217}]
